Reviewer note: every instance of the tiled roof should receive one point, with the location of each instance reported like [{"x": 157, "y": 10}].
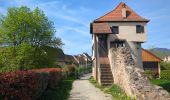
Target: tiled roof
[
  {"x": 100, "y": 28},
  {"x": 149, "y": 57},
  {"x": 116, "y": 15}
]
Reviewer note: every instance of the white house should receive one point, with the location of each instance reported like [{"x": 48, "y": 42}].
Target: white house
[{"x": 115, "y": 29}]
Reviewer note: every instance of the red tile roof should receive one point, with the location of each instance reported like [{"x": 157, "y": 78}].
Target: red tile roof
[
  {"x": 116, "y": 15},
  {"x": 100, "y": 28},
  {"x": 149, "y": 57}
]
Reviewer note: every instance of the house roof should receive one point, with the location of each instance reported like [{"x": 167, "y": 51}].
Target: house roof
[
  {"x": 116, "y": 15},
  {"x": 149, "y": 57},
  {"x": 98, "y": 28}
]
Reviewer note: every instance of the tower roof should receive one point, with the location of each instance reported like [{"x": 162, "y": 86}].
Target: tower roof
[{"x": 116, "y": 15}]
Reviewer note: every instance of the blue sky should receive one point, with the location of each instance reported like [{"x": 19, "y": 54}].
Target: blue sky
[{"x": 72, "y": 18}]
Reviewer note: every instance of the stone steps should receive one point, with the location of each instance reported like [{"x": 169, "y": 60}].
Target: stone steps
[{"x": 106, "y": 75}]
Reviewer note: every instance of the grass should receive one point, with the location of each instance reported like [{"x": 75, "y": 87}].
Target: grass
[
  {"x": 116, "y": 92},
  {"x": 163, "y": 83},
  {"x": 61, "y": 92}
]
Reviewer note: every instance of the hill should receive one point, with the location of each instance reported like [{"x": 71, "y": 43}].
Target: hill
[{"x": 160, "y": 52}]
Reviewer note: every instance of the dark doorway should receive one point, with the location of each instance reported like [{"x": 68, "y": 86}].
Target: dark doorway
[{"x": 103, "y": 50}]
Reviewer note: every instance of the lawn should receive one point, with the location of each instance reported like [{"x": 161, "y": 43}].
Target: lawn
[
  {"x": 163, "y": 83},
  {"x": 116, "y": 92},
  {"x": 61, "y": 92}
]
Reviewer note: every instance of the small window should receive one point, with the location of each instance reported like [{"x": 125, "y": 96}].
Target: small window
[
  {"x": 139, "y": 29},
  {"x": 115, "y": 29}
]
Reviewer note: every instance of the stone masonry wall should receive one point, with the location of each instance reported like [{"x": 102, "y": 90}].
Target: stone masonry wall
[{"x": 132, "y": 79}]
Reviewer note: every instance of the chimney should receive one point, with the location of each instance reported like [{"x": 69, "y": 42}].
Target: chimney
[{"x": 124, "y": 11}]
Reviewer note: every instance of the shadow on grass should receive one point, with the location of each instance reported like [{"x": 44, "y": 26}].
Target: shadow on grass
[
  {"x": 166, "y": 86},
  {"x": 163, "y": 83},
  {"x": 61, "y": 92}
]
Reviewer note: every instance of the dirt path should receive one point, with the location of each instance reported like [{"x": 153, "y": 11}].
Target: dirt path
[{"x": 84, "y": 90}]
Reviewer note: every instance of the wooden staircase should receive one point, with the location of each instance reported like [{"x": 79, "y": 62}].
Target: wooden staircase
[{"x": 105, "y": 71}]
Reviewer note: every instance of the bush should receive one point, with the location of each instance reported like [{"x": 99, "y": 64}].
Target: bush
[
  {"x": 165, "y": 65},
  {"x": 54, "y": 76},
  {"x": 69, "y": 70},
  {"x": 165, "y": 74},
  {"x": 27, "y": 85},
  {"x": 84, "y": 70},
  {"x": 151, "y": 74}
]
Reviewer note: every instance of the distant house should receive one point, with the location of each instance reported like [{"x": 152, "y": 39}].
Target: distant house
[
  {"x": 69, "y": 60},
  {"x": 83, "y": 59},
  {"x": 63, "y": 59},
  {"x": 151, "y": 62},
  {"x": 166, "y": 59}
]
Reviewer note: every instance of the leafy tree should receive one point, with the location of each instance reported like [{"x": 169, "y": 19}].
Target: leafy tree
[{"x": 24, "y": 33}]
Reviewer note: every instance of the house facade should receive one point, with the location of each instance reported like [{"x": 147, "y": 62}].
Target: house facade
[
  {"x": 166, "y": 59},
  {"x": 118, "y": 28},
  {"x": 83, "y": 59}
]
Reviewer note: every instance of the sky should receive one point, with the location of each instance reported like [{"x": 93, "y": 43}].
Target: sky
[{"x": 72, "y": 18}]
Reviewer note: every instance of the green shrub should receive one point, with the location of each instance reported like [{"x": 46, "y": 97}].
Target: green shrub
[
  {"x": 165, "y": 66},
  {"x": 68, "y": 70},
  {"x": 150, "y": 74},
  {"x": 84, "y": 70},
  {"x": 165, "y": 74}
]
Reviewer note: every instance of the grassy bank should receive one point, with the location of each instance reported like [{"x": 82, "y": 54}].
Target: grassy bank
[
  {"x": 163, "y": 83},
  {"x": 116, "y": 92},
  {"x": 61, "y": 92}
]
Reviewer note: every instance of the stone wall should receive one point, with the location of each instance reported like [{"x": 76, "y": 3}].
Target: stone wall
[{"x": 132, "y": 79}]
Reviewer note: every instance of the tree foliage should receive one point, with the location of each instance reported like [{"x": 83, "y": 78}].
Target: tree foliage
[{"x": 23, "y": 34}]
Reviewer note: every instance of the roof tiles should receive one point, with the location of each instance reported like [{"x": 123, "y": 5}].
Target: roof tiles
[
  {"x": 116, "y": 15},
  {"x": 101, "y": 28}
]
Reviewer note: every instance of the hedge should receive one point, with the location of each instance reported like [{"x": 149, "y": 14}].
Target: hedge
[
  {"x": 27, "y": 85},
  {"x": 165, "y": 74}
]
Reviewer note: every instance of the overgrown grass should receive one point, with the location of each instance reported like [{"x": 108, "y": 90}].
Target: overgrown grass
[
  {"x": 116, "y": 92},
  {"x": 61, "y": 92},
  {"x": 163, "y": 83}
]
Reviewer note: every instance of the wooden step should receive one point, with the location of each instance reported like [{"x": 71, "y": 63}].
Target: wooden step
[
  {"x": 109, "y": 78},
  {"x": 107, "y": 84},
  {"x": 106, "y": 75},
  {"x": 106, "y": 81}
]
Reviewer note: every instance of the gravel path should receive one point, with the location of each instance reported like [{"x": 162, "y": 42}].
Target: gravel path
[{"x": 84, "y": 90}]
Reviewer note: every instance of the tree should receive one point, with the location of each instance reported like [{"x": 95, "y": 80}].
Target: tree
[{"x": 24, "y": 33}]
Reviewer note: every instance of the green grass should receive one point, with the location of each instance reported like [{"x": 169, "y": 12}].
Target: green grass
[
  {"x": 116, "y": 92},
  {"x": 163, "y": 83},
  {"x": 61, "y": 92}
]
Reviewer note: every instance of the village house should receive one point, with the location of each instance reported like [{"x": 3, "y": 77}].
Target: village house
[
  {"x": 118, "y": 28},
  {"x": 151, "y": 62},
  {"x": 166, "y": 59},
  {"x": 83, "y": 59}
]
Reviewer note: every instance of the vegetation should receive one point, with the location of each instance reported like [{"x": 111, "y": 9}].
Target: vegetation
[
  {"x": 61, "y": 92},
  {"x": 116, "y": 92},
  {"x": 165, "y": 65},
  {"x": 28, "y": 85},
  {"x": 84, "y": 70},
  {"x": 165, "y": 74},
  {"x": 151, "y": 74},
  {"x": 23, "y": 36},
  {"x": 163, "y": 83}
]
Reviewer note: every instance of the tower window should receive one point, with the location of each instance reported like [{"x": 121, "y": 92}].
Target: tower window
[
  {"x": 115, "y": 29},
  {"x": 139, "y": 29}
]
